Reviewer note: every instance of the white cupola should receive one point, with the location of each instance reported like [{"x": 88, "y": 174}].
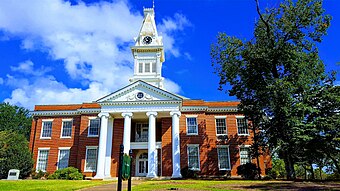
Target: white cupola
[{"x": 148, "y": 52}]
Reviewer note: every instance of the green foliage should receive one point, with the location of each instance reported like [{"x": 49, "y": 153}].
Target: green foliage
[
  {"x": 39, "y": 175},
  {"x": 69, "y": 173},
  {"x": 187, "y": 173},
  {"x": 14, "y": 154},
  {"x": 15, "y": 118},
  {"x": 278, "y": 168},
  {"x": 247, "y": 171},
  {"x": 274, "y": 75}
]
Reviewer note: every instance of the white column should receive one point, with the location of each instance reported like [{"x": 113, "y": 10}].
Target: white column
[
  {"x": 127, "y": 131},
  {"x": 108, "y": 148},
  {"x": 102, "y": 145},
  {"x": 176, "y": 159},
  {"x": 152, "y": 153}
]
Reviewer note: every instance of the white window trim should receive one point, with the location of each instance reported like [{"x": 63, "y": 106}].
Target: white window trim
[
  {"x": 39, "y": 149},
  {"x": 62, "y": 129},
  {"x": 226, "y": 126},
  {"x": 42, "y": 127},
  {"x": 239, "y": 151},
  {"x": 88, "y": 127},
  {"x": 186, "y": 124},
  {"x": 242, "y": 134},
  {"x": 63, "y": 148},
  {"x": 90, "y": 147},
  {"x": 199, "y": 159},
  {"x": 223, "y": 146}
]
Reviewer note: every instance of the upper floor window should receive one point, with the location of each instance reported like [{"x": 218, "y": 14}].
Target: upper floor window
[
  {"x": 66, "y": 129},
  {"x": 242, "y": 126},
  {"x": 193, "y": 157},
  {"x": 223, "y": 157},
  {"x": 93, "y": 129},
  {"x": 192, "y": 128},
  {"x": 244, "y": 155},
  {"x": 46, "y": 130},
  {"x": 221, "y": 126},
  {"x": 42, "y": 159},
  {"x": 142, "y": 132}
]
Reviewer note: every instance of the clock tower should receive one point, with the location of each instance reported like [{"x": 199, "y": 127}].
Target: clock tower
[{"x": 148, "y": 52}]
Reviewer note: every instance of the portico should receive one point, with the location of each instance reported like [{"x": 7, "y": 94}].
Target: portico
[{"x": 140, "y": 114}]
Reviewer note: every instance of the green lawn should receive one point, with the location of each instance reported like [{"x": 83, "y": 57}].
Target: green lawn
[
  {"x": 191, "y": 185},
  {"x": 42, "y": 185}
]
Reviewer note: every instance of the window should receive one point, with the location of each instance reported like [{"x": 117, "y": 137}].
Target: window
[
  {"x": 66, "y": 129},
  {"x": 46, "y": 130},
  {"x": 147, "y": 67},
  {"x": 193, "y": 157},
  {"x": 93, "y": 130},
  {"x": 140, "y": 67},
  {"x": 142, "y": 132},
  {"x": 223, "y": 157},
  {"x": 91, "y": 159},
  {"x": 42, "y": 159},
  {"x": 192, "y": 128},
  {"x": 64, "y": 155},
  {"x": 221, "y": 127},
  {"x": 242, "y": 126},
  {"x": 244, "y": 155},
  {"x": 154, "y": 67}
]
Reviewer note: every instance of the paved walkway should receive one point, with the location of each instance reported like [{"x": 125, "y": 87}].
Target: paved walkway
[{"x": 111, "y": 186}]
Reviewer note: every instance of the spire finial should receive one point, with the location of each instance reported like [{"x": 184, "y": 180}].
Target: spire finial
[{"x": 153, "y": 3}]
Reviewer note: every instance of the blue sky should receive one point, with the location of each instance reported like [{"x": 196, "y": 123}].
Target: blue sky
[{"x": 55, "y": 52}]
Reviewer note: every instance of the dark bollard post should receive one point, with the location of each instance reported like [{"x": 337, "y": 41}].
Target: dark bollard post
[
  {"x": 120, "y": 166},
  {"x": 129, "y": 181}
]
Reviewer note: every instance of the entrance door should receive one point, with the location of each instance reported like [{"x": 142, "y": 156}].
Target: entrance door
[{"x": 142, "y": 164}]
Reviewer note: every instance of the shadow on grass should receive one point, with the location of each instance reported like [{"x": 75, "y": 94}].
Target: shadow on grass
[{"x": 294, "y": 186}]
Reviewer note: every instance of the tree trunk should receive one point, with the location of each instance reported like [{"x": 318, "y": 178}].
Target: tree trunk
[
  {"x": 320, "y": 173},
  {"x": 256, "y": 148},
  {"x": 289, "y": 166},
  {"x": 312, "y": 171}
]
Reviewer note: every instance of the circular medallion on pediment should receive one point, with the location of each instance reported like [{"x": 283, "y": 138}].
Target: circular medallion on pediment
[{"x": 140, "y": 95}]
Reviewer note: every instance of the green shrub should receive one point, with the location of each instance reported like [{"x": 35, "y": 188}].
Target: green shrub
[
  {"x": 39, "y": 175},
  {"x": 187, "y": 173},
  {"x": 248, "y": 171},
  {"x": 14, "y": 154},
  {"x": 69, "y": 173}
]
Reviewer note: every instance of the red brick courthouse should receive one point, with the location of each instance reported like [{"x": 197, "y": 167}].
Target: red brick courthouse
[{"x": 167, "y": 132}]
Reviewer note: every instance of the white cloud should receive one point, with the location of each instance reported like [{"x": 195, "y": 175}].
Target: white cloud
[
  {"x": 27, "y": 68},
  {"x": 1, "y": 81},
  {"x": 48, "y": 90},
  {"x": 93, "y": 40},
  {"x": 171, "y": 86},
  {"x": 170, "y": 26}
]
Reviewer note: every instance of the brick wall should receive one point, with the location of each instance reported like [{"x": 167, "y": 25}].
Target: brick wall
[{"x": 206, "y": 139}]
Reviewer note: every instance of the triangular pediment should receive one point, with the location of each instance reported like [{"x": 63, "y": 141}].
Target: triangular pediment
[{"x": 139, "y": 91}]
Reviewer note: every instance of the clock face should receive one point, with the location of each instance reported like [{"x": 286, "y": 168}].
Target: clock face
[{"x": 147, "y": 40}]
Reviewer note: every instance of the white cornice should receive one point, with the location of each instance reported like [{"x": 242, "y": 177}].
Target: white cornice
[
  {"x": 141, "y": 103},
  {"x": 64, "y": 112},
  {"x": 209, "y": 109}
]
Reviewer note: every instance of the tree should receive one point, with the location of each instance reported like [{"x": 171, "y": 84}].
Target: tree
[
  {"x": 14, "y": 154},
  {"x": 15, "y": 118},
  {"x": 273, "y": 73}
]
